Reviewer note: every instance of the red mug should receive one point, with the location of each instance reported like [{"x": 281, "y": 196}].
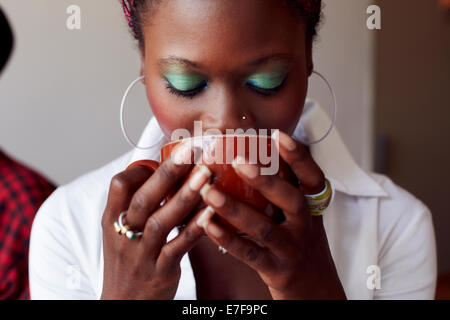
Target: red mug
[{"x": 218, "y": 153}]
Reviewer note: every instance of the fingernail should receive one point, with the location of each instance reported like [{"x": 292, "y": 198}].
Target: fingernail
[
  {"x": 276, "y": 134},
  {"x": 249, "y": 170},
  {"x": 205, "y": 189},
  {"x": 182, "y": 155},
  {"x": 237, "y": 161},
  {"x": 205, "y": 216},
  {"x": 214, "y": 196},
  {"x": 199, "y": 178},
  {"x": 287, "y": 142}
]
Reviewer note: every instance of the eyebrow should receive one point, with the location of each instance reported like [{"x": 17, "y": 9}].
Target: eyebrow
[
  {"x": 171, "y": 60},
  {"x": 262, "y": 60},
  {"x": 174, "y": 60}
]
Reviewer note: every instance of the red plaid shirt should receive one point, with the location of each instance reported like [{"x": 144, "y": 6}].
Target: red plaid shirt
[{"x": 22, "y": 191}]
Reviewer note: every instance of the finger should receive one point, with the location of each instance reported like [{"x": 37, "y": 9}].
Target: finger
[
  {"x": 275, "y": 189},
  {"x": 148, "y": 197},
  {"x": 246, "y": 219},
  {"x": 258, "y": 258},
  {"x": 173, "y": 251},
  {"x": 298, "y": 157},
  {"x": 172, "y": 214},
  {"x": 122, "y": 187}
]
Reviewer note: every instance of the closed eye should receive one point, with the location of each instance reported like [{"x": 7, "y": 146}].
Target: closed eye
[
  {"x": 264, "y": 91},
  {"x": 188, "y": 93}
]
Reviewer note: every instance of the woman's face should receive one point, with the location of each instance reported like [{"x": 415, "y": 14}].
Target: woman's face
[{"x": 217, "y": 61}]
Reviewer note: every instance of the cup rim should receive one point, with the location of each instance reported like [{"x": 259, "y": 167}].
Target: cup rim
[{"x": 217, "y": 136}]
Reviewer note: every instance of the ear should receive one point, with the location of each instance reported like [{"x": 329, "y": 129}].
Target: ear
[
  {"x": 141, "y": 73},
  {"x": 142, "y": 70},
  {"x": 309, "y": 58}
]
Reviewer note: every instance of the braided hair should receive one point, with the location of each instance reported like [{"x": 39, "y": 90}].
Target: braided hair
[{"x": 134, "y": 10}]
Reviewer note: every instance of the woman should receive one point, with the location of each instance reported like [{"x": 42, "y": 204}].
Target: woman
[{"x": 231, "y": 64}]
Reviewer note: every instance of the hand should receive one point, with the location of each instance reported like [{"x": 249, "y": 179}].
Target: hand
[
  {"x": 293, "y": 258},
  {"x": 148, "y": 267}
]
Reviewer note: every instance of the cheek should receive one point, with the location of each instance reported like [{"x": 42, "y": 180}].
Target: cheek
[
  {"x": 287, "y": 117},
  {"x": 168, "y": 119},
  {"x": 289, "y": 107}
]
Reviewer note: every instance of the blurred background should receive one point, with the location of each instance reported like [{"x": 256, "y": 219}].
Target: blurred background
[
  {"x": 61, "y": 91},
  {"x": 412, "y": 109}
]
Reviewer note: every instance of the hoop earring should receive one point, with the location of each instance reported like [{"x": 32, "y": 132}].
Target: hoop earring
[
  {"x": 122, "y": 126},
  {"x": 333, "y": 116}
]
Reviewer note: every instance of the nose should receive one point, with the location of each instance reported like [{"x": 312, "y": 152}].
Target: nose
[{"x": 227, "y": 110}]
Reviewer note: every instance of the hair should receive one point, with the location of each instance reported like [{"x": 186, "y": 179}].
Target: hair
[
  {"x": 136, "y": 10},
  {"x": 7, "y": 40}
]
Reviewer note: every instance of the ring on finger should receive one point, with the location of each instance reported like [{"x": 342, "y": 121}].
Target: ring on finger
[
  {"x": 222, "y": 250},
  {"x": 318, "y": 203},
  {"x": 124, "y": 229}
]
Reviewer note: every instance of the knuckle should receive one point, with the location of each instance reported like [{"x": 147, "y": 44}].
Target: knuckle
[
  {"x": 265, "y": 232},
  {"x": 169, "y": 252},
  {"x": 185, "y": 197},
  {"x": 231, "y": 208},
  {"x": 139, "y": 203},
  {"x": 189, "y": 235},
  {"x": 153, "y": 226},
  {"x": 252, "y": 254},
  {"x": 119, "y": 184},
  {"x": 167, "y": 171}
]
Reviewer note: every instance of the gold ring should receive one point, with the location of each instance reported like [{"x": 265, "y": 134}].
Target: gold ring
[
  {"x": 125, "y": 229},
  {"x": 319, "y": 202}
]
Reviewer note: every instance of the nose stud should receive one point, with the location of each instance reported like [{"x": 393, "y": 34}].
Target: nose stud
[{"x": 244, "y": 118}]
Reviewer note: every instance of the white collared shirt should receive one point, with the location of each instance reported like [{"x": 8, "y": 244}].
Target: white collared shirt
[{"x": 381, "y": 237}]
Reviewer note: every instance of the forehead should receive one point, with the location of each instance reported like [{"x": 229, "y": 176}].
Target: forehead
[{"x": 223, "y": 31}]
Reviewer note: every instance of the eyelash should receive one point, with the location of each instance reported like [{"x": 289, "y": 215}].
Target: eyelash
[
  {"x": 190, "y": 94},
  {"x": 266, "y": 92}
]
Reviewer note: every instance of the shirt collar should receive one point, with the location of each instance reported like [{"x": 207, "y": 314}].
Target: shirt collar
[{"x": 331, "y": 154}]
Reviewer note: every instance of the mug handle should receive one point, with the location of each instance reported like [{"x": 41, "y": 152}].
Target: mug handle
[{"x": 152, "y": 165}]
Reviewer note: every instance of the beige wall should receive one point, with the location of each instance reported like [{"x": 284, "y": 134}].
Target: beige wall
[
  {"x": 413, "y": 105},
  {"x": 344, "y": 53},
  {"x": 61, "y": 91}
]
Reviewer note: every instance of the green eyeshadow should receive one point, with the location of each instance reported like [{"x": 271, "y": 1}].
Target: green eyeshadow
[
  {"x": 184, "y": 82},
  {"x": 267, "y": 80}
]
